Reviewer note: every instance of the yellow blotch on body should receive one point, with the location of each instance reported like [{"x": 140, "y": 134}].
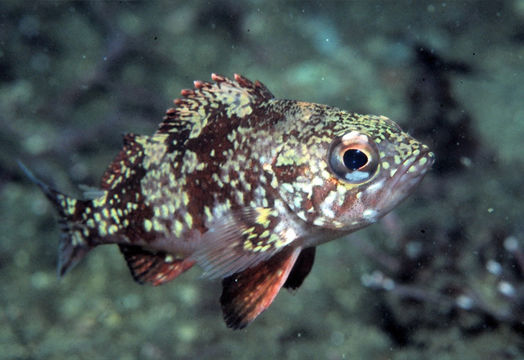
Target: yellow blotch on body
[
  {"x": 188, "y": 219},
  {"x": 178, "y": 228},
  {"x": 148, "y": 225},
  {"x": 100, "y": 201},
  {"x": 112, "y": 229},
  {"x": 185, "y": 198}
]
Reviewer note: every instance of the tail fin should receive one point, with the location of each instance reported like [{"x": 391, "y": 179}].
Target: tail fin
[{"x": 74, "y": 243}]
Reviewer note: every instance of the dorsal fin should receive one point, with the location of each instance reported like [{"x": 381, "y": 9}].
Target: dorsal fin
[
  {"x": 208, "y": 101},
  {"x": 128, "y": 157},
  {"x": 155, "y": 268},
  {"x": 203, "y": 105}
]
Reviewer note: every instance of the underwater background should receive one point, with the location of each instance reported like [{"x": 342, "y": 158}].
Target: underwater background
[{"x": 442, "y": 277}]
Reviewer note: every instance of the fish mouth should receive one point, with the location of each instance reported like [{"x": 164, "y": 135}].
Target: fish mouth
[{"x": 407, "y": 176}]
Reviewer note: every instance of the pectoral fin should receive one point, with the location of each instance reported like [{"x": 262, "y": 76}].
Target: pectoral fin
[
  {"x": 248, "y": 293},
  {"x": 242, "y": 239}
]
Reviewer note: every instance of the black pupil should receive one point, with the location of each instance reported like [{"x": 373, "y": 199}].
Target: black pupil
[{"x": 354, "y": 159}]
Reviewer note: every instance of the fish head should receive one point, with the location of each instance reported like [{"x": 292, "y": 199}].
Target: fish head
[{"x": 344, "y": 171}]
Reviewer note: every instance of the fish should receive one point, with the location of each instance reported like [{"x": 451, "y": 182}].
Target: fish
[{"x": 243, "y": 184}]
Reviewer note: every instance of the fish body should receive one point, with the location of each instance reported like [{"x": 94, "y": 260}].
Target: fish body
[{"x": 244, "y": 185}]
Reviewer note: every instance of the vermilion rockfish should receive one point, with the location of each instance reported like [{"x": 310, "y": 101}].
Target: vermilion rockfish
[{"x": 244, "y": 185}]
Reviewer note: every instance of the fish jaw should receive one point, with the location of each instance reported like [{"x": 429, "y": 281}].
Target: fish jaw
[{"x": 404, "y": 181}]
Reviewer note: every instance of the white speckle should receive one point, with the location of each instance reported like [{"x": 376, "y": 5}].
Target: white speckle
[
  {"x": 304, "y": 187},
  {"x": 297, "y": 202},
  {"x": 376, "y": 186},
  {"x": 357, "y": 176},
  {"x": 260, "y": 191},
  {"x": 317, "y": 181},
  {"x": 289, "y": 235},
  {"x": 392, "y": 172},
  {"x": 353, "y": 135},
  {"x": 318, "y": 221},
  {"x": 302, "y": 215},
  {"x": 327, "y": 204},
  {"x": 370, "y": 214},
  {"x": 337, "y": 224},
  {"x": 287, "y": 187},
  {"x": 328, "y": 212}
]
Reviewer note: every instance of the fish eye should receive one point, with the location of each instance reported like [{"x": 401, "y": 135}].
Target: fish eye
[{"x": 353, "y": 157}]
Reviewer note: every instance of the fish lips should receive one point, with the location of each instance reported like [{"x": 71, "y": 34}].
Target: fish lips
[{"x": 406, "y": 178}]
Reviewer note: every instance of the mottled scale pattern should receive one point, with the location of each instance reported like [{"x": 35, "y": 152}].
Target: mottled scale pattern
[{"x": 246, "y": 186}]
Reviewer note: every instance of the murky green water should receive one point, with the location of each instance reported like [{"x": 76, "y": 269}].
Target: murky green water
[{"x": 441, "y": 277}]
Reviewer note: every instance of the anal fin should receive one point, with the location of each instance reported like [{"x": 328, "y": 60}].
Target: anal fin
[
  {"x": 301, "y": 269},
  {"x": 155, "y": 268},
  {"x": 248, "y": 293}
]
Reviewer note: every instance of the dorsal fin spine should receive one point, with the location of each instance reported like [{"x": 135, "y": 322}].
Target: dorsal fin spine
[{"x": 238, "y": 97}]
